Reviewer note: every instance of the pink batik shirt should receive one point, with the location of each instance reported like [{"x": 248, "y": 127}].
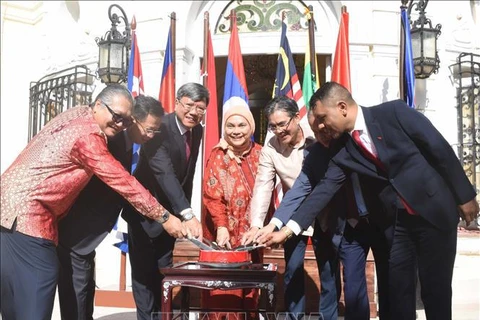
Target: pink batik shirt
[{"x": 43, "y": 182}]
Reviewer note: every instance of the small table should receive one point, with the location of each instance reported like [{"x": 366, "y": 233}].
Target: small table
[{"x": 193, "y": 274}]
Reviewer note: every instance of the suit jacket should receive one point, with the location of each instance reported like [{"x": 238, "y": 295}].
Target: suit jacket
[
  {"x": 313, "y": 169},
  {"x": 96, "y": 209},
  {"x": 420, "y": 166},
  {"x": 164, "y": 171}
]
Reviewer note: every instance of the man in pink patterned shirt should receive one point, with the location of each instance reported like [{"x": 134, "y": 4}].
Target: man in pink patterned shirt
[{"x": 42, "y": 184}]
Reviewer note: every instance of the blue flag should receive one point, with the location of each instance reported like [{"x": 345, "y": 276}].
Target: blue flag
[{"x": 408, "y": 70}]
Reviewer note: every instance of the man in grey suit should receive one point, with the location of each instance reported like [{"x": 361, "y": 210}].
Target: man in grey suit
[
  {"x": 166, "y": 168},
  {"x": 93, "y": 215}
]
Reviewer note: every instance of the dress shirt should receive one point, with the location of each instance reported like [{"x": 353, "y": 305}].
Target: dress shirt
[
  {"x": 183, "y": 130},
  {"x": 48, "y": 175},
  {"x": 282, "y": 160},
  {"x": 361, "y": 127}
]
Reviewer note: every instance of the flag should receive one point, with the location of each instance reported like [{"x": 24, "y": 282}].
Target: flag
[
  {"x": 135, "y": 77},
  {"x": 286, "y": 79},
  {"x": 167, "y": 86},
  {"x": 407, "y": 74},
  {"x": 235, "y": 90},
  {"x": 310, "y": 81},
  {"x": 286, "y": 84},
  {"x": 211, "y": 117},
  {"x": 341, "y": 61},
  {"x": 135, "y": 86}
]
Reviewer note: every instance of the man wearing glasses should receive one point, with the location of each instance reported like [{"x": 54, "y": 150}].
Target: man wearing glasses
[
  {"x": 95, "y": 212},
  {"x": 166, "y": 167},
  {"x": 42, "y": 184}
]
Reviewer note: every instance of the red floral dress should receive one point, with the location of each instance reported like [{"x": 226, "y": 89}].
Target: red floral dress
[{"x": 227, "y": 187}]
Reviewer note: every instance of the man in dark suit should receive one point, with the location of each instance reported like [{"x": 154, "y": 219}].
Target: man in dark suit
[
  {"x": 166, "y": 168},
  {"x": 93, "y": 215},
  {"x": 414, "y": 175},
  {"x": 353, "y": 233}
]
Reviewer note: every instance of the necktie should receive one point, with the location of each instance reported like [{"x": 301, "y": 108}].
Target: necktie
[
  {"x": 378, "y": 163},
  {"x": 188, "y": 143},
  {"x": 365, "y": 151},
  {"x": 135, "y": 156}
]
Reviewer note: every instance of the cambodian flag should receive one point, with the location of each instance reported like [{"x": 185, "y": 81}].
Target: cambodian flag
[
  {"x": 135, "y": 85},
  {"x": 167, "y": 86},
  {"x": 235, "y": 91},
  {"x": 135, "y": 78}
]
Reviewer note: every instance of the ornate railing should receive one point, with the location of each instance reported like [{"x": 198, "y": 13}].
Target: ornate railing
[{"x": 57, "y": 92}]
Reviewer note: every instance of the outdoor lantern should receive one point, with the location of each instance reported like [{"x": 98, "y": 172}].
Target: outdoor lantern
[
  {"x": 424, "y": 42},
  {"x": 114, "y": 50}
]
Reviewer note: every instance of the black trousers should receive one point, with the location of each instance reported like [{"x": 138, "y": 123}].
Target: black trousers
[
  {"x": 353, "y": 251},
  {"x": 76, "y": 284},
  {"x": 147, "y": 255},
  {"x": 29, "y": 270},
  {"x": 417, "y": 243}
]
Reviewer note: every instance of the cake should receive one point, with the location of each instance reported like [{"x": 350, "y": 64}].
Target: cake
[{"x": 224, "y": 256}]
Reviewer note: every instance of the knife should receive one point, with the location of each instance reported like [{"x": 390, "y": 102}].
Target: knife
[
  {"x": 248, "y": 248},
  {"x": 200, "y": 244}
]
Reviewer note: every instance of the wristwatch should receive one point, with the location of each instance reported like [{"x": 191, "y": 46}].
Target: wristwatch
[
  {"x": 188, "y": 216},
  {"x": 164, "y": 217}
]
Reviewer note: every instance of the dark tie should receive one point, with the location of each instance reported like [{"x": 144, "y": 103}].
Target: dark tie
[
  {"x": 188, "y": 143},
  {"x": 378, "y": 163},
  {"x": 135, "y": 156}
]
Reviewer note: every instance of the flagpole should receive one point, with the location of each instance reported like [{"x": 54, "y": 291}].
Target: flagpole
[
  {"x": 206, "y": 27},
  {"x": 123, "y": 255},
  {"x": 205, "y": 47},
  {"x": 401, "y": 60},
  {"x": 173, "y": 30},
  {"x": 311, "y": 35}
]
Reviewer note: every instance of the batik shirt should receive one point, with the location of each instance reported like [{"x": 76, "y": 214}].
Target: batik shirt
[{"x": 46, "y": 178}]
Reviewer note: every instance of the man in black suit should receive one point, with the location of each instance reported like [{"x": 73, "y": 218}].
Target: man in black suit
[
  {"x": 353, "y": 232},
  {"x": 166, "y": 168},
  {"x": 405, "y": 163},
  {"x": 93, "y": 215}
]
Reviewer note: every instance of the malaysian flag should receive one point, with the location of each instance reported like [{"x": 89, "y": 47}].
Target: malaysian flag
[{"x": 286, "y": 84}]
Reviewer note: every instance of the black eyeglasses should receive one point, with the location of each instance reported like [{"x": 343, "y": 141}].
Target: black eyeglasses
[
  {"x": 127, "y": 122},
  {"x": 149, "y": 132},
  {"x": 279, "y": 127},
  {"x": 189, "y": 107}
]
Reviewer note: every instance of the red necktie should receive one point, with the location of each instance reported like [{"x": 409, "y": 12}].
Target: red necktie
[
  {"x": 378, "y": 163},
  {"x": 365, "y": 151},
  {"x": 188, "y": 143}
]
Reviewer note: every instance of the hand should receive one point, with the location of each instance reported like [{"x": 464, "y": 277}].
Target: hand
[
  {"x": 175, "y": 227},
  {"x": 264, "y": 233},
  {"x": 194, "y": 228},
  {"x": 275, "y": 238},
  {"x": 469, "y": 211},
  {"x": 249, "y": 236},
  {"x": 223, "y": 238}
]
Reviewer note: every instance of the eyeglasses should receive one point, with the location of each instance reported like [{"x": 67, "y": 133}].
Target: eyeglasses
[
  {"x": 149, "y": 132},
  {"x": 189, "y": 107},
  {"x": 118, "y": 118},
  {"x": 282, "y": 126}
]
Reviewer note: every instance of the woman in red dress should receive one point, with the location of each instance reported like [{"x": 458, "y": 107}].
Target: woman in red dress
[{"x": 228, "y": 185}]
